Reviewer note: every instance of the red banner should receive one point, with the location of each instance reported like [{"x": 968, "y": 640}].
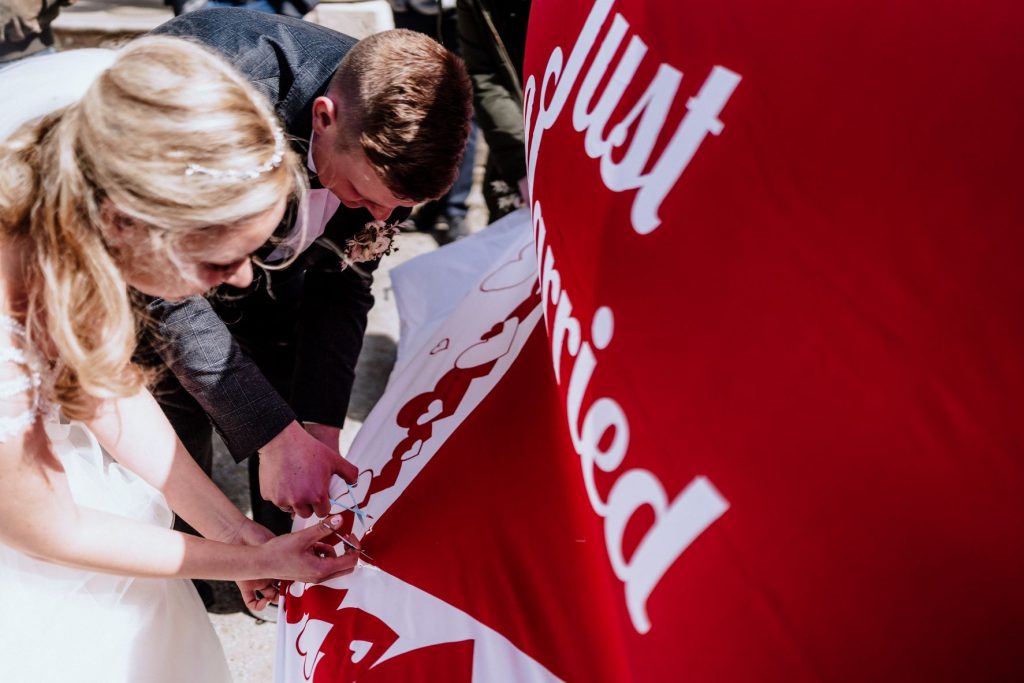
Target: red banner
[
  {"x": 760, "y": 417},
  {"x": 779, "y": 250}
]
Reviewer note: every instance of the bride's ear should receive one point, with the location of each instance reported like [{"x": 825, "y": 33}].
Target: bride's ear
[
  {"x": 118, "y": 231},
  {"x": 114, "y": 223}
]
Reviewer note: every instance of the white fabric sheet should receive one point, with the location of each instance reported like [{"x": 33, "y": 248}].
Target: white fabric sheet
[{"x": 430, "y": 287}]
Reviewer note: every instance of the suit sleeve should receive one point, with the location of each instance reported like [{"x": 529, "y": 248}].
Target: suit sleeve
[
  {"x": 332, "y": 318},
  {"x": 198, "y": 348}
]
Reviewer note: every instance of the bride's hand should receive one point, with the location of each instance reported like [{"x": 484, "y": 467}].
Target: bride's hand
[
  {"x": 256, "y": 593},
  {"x": 304, "y": 556}
]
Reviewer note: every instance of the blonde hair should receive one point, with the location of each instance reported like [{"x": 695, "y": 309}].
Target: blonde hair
[{"x": 120, "y": 155}]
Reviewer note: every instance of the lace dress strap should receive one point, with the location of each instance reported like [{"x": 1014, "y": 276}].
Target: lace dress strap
[{"x": 19, "y": 377}]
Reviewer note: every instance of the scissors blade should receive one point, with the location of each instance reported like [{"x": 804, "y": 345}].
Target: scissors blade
[{"x": 352, "y": 545}]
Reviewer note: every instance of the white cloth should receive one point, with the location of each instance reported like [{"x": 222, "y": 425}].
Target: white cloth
[
  {"x": 63, "y": 624},
  {"x": 35, "y": 86},
  {"x": 321, "y": 203},
  {"x": 430, "y": 287},
  {"x": 321, "y": 206}
]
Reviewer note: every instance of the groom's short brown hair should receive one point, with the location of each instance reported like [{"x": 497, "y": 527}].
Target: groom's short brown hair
[{"x": 406, "y": 103}]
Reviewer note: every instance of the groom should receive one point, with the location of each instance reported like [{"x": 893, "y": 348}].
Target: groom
[{"x": 382, "y": 122}]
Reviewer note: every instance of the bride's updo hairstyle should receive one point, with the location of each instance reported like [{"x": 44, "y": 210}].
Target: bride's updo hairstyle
[{"x": 168, "y": 141}]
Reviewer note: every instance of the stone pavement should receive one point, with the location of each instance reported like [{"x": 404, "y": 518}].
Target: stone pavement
[{"x": 107, "y": 23}]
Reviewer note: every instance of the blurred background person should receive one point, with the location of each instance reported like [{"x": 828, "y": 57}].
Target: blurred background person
[
  {"x": 492, "y": 40},
  {"x": 446, "y": 217},
  {"x": 25, "y": 27},
  {"x": 290, "y": 8}
]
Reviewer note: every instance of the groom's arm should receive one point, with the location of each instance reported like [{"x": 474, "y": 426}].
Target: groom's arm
[
  {"x": 198, "y": 348},
  {"x": 295, "y": 467}
]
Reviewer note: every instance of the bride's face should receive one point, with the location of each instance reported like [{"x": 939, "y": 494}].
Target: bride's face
[{"x": 203, "y": 260}]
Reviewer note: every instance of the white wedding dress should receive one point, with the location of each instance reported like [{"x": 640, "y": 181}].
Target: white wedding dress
[{"x": 63, "y": 624}]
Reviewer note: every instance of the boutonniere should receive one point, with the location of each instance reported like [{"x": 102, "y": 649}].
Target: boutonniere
[{"x": 376, "y": 239}]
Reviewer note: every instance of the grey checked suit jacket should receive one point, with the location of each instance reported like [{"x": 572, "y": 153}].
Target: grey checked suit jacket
[{"x": 291, "y": 62}]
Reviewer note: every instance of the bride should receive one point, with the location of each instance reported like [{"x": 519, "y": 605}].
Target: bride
[{"x": 163, "y": 173}]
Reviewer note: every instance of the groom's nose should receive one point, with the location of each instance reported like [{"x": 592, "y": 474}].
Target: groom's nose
[{"x": 378, "y": 211}]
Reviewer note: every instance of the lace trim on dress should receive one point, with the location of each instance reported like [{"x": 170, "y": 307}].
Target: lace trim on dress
[
  {"x": 11, "y": 425},
  {"x": 9, "y": 388}
]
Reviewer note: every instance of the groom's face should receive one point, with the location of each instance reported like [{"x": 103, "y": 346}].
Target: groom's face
[
  {"x": 354, "y": 181},
  {"x": 345, "y": 171}
]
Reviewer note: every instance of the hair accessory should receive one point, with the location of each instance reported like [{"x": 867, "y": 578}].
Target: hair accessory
[{"x": 238, "y": 174}]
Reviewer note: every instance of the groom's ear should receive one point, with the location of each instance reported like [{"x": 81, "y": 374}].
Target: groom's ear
[{"x": 325, "y": 115}]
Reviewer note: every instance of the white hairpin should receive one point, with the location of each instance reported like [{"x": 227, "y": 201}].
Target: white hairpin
[{"x": 274, "y": 162}]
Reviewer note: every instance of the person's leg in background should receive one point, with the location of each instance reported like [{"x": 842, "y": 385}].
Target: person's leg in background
[
  {"x": 501, "y": 195},
  {"x": 455, "y": 207},
  {"x": 446, "y": 217}
]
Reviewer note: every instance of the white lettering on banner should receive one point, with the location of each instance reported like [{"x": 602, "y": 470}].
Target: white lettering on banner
[
  {"x": 651, "y": 109},
  {"x": 676, "y": 524}
]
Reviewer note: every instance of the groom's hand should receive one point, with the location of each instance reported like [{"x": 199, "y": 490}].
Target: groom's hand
[{"x": 296, "y": 469}]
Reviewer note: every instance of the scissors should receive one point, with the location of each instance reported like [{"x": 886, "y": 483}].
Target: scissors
[
  {"x": 360, "y": 514},
  {"x": 352, "y": 545}
]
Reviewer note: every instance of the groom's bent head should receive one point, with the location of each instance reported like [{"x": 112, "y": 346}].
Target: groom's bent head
[{"x": 391, "y": 129}]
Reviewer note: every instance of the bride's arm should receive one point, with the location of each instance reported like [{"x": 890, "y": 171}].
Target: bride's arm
[
  {"x": 39, "y": 517},
  {"x": 136, "y": 433}
]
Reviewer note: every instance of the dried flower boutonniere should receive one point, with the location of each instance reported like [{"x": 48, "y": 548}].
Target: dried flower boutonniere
[{"x": 375, "y": 240}]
